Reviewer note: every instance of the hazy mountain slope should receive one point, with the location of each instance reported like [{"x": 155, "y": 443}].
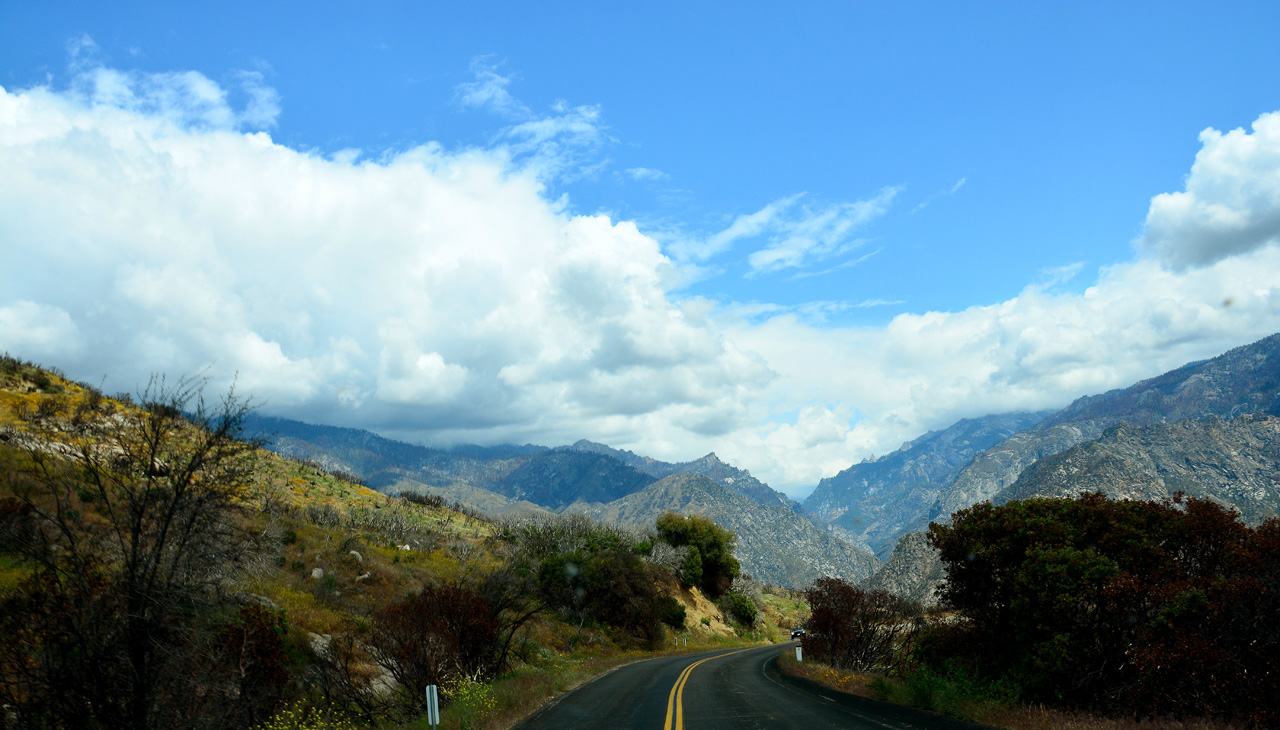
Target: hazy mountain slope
[
  {"x": 381, "y": 462},
  {"x": 912, "y": 571},
  {"x": 554, "y": 479},
  {"x": 875, "y": 501},
  {"x": 1171, "y": 439},
  {"x": 1243, "y": 380},
  {"x": 1234, "y": 463},
  {"x": 490, "y": 503},
  {"x": 737, "y": 480},
  {"x": 775, "y": 544}
]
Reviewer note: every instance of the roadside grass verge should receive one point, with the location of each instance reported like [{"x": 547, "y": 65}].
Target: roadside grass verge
[{"x": 967, "y": 699}]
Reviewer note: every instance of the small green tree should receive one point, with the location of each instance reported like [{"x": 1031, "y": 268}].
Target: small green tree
[{"x": 673, "y": 612}]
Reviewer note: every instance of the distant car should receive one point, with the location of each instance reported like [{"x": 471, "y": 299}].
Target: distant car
[{"x": 797, "y": 632}]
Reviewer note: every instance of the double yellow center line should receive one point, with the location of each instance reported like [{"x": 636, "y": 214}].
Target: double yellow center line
[{"x": 675, "y": 702}]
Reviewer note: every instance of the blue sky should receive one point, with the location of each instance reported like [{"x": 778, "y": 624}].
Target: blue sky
[{"x": 864, "y": 220}]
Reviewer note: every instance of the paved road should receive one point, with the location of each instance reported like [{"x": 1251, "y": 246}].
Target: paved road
[{"x": 721, "y": 690}]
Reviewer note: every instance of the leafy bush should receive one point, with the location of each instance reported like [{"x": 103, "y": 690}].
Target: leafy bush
[
  {"x": 850, "y": 628},
  {"x": 950, "y": 691},
  {"x": 438, "y": 636},
  {"x": 672, "y": 612},
  {"x": 1153, "y": 608},
  {"x": 709, "y": 564},
  {"x": 742, "y": 609},
  {"x": 254, "y": 647},
  {"x": 613, "y": 587}
]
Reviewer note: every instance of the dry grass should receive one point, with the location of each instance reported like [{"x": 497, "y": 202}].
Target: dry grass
[
  {"x": 781, "y": 613},
  {"x": 1043, "y": 718}
]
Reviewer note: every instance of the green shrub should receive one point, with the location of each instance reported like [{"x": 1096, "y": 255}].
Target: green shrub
[
  {"x": 740, "y": 608},
  {"x": 672, "y": 612}
]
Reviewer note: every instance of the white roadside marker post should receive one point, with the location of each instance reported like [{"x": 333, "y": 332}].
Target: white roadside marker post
[
  {"x": 798, "y": 659},
  {"x": 433, "y": 706}
]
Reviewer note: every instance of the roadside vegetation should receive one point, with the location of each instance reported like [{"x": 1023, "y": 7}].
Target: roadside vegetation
[
  {"x": 157, "y": 570},
  {"x": 1086, "y": 612}
]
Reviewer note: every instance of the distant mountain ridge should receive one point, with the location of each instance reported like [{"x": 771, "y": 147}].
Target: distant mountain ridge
[
  {"x": 738, "y": 480},
  {"x": 1243, "y": 380},
  {"x": 555, "y": 479},
  {"x": 775, "y": 544}
]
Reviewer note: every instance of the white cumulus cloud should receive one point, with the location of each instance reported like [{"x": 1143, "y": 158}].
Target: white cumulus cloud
[
  {"x": 147, "y": 223},
  {"x": 434, "y": 293},
  {"x": 1231, "y": 203}
]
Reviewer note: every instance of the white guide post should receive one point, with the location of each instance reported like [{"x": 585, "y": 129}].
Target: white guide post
[{"x": 433, "y": 706}]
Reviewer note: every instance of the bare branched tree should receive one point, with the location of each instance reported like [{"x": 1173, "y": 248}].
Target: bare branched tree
[{"x": 133, "y": 536}]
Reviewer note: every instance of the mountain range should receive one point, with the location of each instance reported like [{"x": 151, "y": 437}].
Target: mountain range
[
  {"x": 1208, "y": 429},
  {"x": 778, "y": 543}
]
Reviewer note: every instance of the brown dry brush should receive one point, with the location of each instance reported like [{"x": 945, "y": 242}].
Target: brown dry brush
[
  {"x": 850, "y": 628},
  {"x": 445, "y": 634}
]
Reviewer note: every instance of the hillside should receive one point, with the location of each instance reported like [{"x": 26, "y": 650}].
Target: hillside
[
  {"x": 779, "y": 542},
  {"x": 153, "y": 564},
  {"x": 775, "y": 545}
]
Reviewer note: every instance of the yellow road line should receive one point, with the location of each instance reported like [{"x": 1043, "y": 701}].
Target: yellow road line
[{"x": 675, "y": 701}]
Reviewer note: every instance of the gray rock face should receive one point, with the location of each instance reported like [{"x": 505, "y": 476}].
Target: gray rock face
[
  {"x": 876, "y": 501},
  {"x": 913, "y": 571},
  {"x": 1235, "y": 463},
  {"x": 775, "y": 545},
  {"x": 1243, "y": 380},
  {"x": 1143, "y": 442},
  {"x": 999, "y": 467}
]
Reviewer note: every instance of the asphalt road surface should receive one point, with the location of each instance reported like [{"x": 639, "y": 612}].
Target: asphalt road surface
[{"x": 721, "y": 690}]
